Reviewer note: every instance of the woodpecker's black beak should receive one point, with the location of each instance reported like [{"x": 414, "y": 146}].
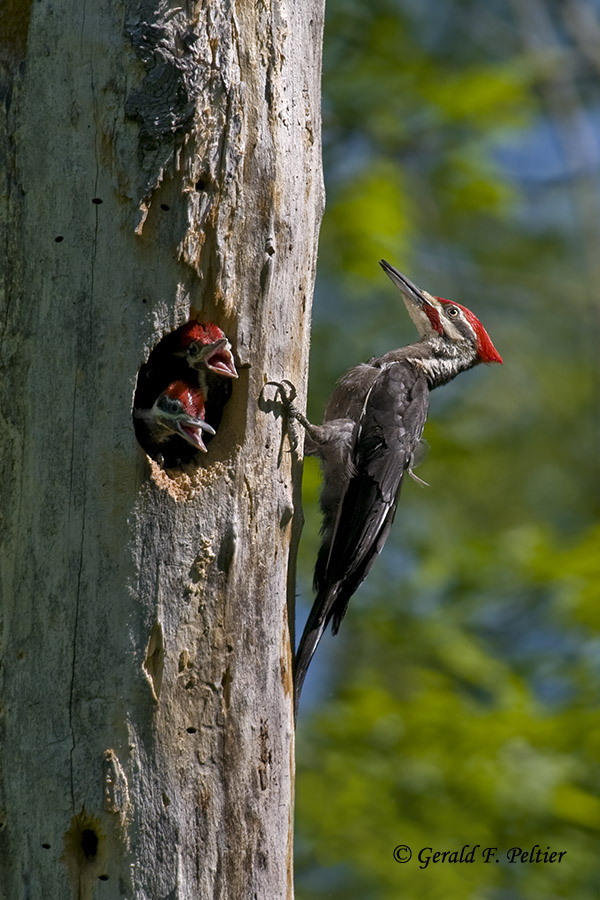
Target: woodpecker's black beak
[
  {"x": 421, "y": 307},
  {"x": 217, "y": 357},
  {"x": 407, "y": 288},
  {"x": 185, "y": 426},
  {"x": 191, "y": 429}
]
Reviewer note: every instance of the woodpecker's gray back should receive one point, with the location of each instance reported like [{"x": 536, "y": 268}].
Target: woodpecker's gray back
[{"x": 390, "y": 405}]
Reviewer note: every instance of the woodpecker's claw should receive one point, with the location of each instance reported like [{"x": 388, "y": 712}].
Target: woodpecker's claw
[
  {"x": 286, "y": 390},
  {"x": 288, "y": 394}
]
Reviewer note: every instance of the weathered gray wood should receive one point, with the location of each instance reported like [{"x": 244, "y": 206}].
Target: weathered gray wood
[{"x": 146, "y": 717}]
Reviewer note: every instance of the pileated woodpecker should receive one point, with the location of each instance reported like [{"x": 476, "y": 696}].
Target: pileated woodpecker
[
  {"x": 371, "y": 428},
  {"x": 206, "y": 350},
  {"x": 197, "y": 358},
  {"x": 172, "y": 428}
]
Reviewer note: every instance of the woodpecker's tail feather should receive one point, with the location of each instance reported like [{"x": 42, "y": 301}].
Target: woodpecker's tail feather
[{"x": 313, "y": 630}]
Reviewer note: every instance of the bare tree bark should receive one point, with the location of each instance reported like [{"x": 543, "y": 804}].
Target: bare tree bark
[{"x": 157, "y": 163}]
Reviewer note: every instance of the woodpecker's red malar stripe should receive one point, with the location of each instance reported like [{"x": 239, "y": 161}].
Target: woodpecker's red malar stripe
[
  {"x": 485, "y": 349},
  {"x": 434, "y": 317}
]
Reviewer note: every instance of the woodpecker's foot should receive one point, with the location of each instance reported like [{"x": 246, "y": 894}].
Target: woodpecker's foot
[{"x": 287, "y": 393}]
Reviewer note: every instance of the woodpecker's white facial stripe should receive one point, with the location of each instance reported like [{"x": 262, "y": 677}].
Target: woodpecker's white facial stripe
[
  {"x": 470, "y": 329},
  {"x": 457, "y": 329}
]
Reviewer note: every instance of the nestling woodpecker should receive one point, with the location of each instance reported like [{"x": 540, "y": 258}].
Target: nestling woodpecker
[
  {"x": 172, "y": 429},
  {"x": 371, "y": 428},
  {"x": 207, "y": 349},
  {"x": 202, "y": 346},
  {"x": 208, "y": 352}
]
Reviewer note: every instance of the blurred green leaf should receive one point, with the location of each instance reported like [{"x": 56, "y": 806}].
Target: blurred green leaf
[{"x": 460, "y": 702}]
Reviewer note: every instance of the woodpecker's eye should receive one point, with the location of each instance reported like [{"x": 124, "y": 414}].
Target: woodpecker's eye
[
  {"x": 452, "y": 311},
  {"x": 170, "y": 406},
  {"x": 194, "y": 349}
]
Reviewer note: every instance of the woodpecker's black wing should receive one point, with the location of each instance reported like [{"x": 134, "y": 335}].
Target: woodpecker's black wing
[{"x": 389, "y": 429}]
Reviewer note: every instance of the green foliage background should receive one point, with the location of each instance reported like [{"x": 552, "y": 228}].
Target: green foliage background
[{"x": 460, "y": 702}]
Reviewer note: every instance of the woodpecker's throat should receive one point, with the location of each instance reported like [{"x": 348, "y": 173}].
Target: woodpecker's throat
[{"x": 441, "y": 360}]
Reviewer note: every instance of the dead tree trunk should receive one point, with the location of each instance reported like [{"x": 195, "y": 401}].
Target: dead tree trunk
[{"x": 157, "y": 163}]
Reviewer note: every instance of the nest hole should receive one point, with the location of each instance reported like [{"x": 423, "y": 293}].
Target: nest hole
[{"x": 181, "y": 393}]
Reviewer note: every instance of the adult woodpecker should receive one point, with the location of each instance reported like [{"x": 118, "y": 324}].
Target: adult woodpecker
[
  {"x": 172, "y": 429},
  {"x": 371, "y": 429}
]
